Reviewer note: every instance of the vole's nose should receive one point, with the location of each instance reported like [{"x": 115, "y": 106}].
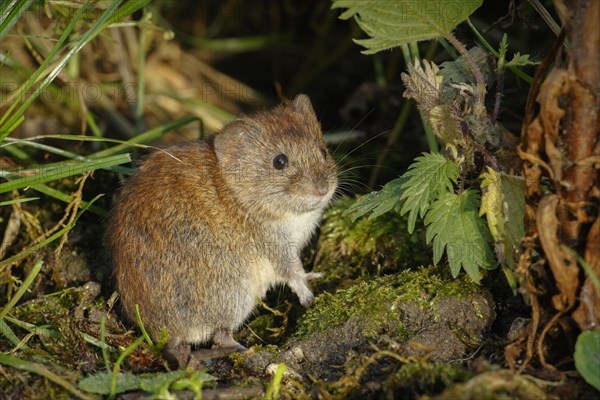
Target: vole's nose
[{"x": 321, "y": 187}]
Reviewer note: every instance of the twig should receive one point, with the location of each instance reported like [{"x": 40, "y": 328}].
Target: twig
[
  {"x": 480, "y": 91},
  {"x": 499, "y": 94},
  {"x": 71, "y": 210}
]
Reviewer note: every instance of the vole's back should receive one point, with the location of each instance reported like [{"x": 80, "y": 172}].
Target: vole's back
[{"x": 166, "y": 237}]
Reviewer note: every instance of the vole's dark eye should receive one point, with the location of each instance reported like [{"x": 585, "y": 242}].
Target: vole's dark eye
[
  {"x": 280, "y": 162},
  {"x": 324, "y": 152}
]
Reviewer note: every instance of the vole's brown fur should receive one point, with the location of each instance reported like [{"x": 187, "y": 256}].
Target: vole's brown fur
[{"x": 204, "y": 229}]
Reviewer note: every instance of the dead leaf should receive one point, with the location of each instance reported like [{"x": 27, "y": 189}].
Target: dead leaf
[{"x": 563, "y": 265}]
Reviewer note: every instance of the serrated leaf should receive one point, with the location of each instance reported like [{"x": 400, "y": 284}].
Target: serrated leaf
[
  {"x": 430, "y": 176},
  {"x": 378, "y": 203},
  {"x": 520, "y": 60},
  {"x": 426, "y": 85},
  {"x": 193, "y": 382},
  {"x": 160, "y": 383},
  {"x": 587, "y": 357},
  {"x": 423, "y": 83},
  {"x": 503, "y": 204},
  {"x": 454, "y": 225},
  {"x": 503, "y": 47},
  {"x": 391, "y": 23},
  {"x": 100, "y": 382},
  {"x": 458, "y": 72}
]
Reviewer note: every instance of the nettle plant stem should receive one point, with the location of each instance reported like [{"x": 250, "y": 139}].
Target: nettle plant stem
[{"x": 480, "y": 89}]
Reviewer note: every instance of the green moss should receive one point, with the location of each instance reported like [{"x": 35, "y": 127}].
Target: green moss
[
  {"x": 416, "y": 379},
  {"x": 498, "y": 385},
  {"x": 17, "y": 384},
  {"x": 258, "y": 330},
  {"x": 376, "y": 301},
  {"x": 57, "y": 329},
  {"x": 367, "y": 247},
  {"x": 371, "y": 299},
  {"x": 427, "y": 285},
  {"x": 55, "y": 306}
]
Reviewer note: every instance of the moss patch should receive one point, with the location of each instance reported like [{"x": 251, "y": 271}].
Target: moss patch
[
  {"x": 367, "y": 247},
  {"x": 416, "y": 379},
  {"x": 502, "y": 384},
  {"x": 377, "y": 301}
]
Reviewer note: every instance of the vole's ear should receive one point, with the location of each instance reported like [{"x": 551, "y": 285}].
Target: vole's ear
[
  {"x": 232, "y": 142},
  {"x": 229, "y": 141},
  {"x": 303, "y": 105}
]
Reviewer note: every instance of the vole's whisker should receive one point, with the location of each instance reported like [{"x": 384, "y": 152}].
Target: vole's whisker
[{"x": 362, "y": 144}]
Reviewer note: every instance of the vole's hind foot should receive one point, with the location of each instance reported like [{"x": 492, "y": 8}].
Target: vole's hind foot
[
  {"x": 223, "y": 339},
  {"x": 200, "y": 355},
  {"x": 178, "y": 355}
]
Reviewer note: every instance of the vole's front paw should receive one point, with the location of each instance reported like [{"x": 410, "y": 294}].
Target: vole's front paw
[
  {"x": 299, "y": 286},
  {"x": 306, "y": 298},
  {"x": 313, "y": 275}
]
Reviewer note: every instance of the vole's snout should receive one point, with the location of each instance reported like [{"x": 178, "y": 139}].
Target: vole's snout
[{"x": 320, "y": 187}]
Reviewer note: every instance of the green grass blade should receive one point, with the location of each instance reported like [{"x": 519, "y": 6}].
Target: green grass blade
[
  {"x": 11, "y": 122},
  {"x": 42, "y": 370},
  {"x": 128, "y": 8},
  {"x": 56, "y": 235},
  {"x": 93, "y": 125},
  {"x": 117, "y": 366},
  {"x": 26, "y": 283},
  {"x": 145, "y": 137},
  {"x": 10, "y": 14},
  {"x": 10, "y": 335},
  {"x": 110, "y": 15},
  {"x": 7, "y": 142},
  {"x": 142, "y": 328},
  {"x": 103, "y": 342},
  {"x": 17, "y": 201},
  {"x": 275, "y": 385},
  {"x": 42, "y": 330},
  {"x": 65, "y": 198},
  {"x": 45, "y": 147},
  {"x": 89, "y": 35},
  {"x": 18, "y": 154},
  {"x": 141, "y": 79},
  {"x": 51, "y": 172}
]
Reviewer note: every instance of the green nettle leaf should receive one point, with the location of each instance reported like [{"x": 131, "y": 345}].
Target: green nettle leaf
[
  {"x": 100, "y": 382},
  {"x": 193, "y": 382},
  {"x": 430, "y": 176},
  {"x": 587, "y": 357},
  {"x": 425, "y": 85},
  {"x": 503, "y": 47},
  {"x": 160, "y": 383},
  {"x": 503, "y": 203},
  {"x": 157, "y": 384},
  {"x": 519, "y": 60},
  {"x": 378, "y": 203},
  {"x": 391, "y": 23},
  {"x": 454, "y": 225}
]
